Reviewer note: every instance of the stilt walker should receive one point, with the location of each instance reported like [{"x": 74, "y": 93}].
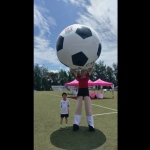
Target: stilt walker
[{"x": 83, "y": 93}]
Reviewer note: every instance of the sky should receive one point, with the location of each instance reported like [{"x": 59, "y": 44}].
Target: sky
[{"x": 53, "y": 16}]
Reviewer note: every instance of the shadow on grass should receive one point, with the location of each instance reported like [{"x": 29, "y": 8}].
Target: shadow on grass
[{"x": 82, "y": 139}]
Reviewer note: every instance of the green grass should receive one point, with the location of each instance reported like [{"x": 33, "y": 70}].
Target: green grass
[{"x": 47, "y": 117}]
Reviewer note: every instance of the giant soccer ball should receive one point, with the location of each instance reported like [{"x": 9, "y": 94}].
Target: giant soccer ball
[{"x": 78, "y": 46}]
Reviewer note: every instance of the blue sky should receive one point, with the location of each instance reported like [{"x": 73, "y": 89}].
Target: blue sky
[{"x": 52, "y": 16}]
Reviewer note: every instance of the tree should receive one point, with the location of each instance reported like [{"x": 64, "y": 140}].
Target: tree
[
  {"x": 71, "y": 77},
  {"x": 37, "y": 77},
  {"x": 100, "y": 71},
  {"x": 62, "y": 77},
  {"x": 110, "y": 75},
  {"x": 115, "y": 70},
  {"x": 44, "y": 72},
  {"x": 54, "y": 78}
]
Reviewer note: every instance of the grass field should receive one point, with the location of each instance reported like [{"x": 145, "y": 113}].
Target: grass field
[{"x": 47, "y": 117}]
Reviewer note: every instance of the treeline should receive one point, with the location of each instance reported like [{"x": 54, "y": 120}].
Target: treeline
[{"x": 44, "y": 79}]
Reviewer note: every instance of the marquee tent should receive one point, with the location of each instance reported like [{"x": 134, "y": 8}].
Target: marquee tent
[
  {"x": 100, "y": 82},
  {"x": 91, "y": 83},
  {"x": 75, "y": 83},
  {"x": 72, "y": 83}
]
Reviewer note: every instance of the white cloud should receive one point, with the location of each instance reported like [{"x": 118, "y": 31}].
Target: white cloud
[
  {"x": 102, "y": 16},
  {"x": 43, "y": 52},
  {"x": 40, "y": 21},
  {"x": 55, "y": 71},
  {"x": 52, "y": 21},
  {"x": 76, "y": 2},
  {"x": 109, "y": 57}
]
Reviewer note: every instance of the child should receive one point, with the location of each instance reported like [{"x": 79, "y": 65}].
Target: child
[{"x": 64, "y": 104}]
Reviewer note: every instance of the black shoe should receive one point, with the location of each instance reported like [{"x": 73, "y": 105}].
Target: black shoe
[
  {"x": 91, "y": 128},
  {"x": 75, "y": 127}
]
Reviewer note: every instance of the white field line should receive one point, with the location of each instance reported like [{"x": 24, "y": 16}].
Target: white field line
[
  {"x": 104, "y": 107},
  {"x": 104, "y": 114},
  {"x": 92, "y": 104}
]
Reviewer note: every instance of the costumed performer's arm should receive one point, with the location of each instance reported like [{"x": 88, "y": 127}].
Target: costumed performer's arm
[{"x": 74, "y": 72}]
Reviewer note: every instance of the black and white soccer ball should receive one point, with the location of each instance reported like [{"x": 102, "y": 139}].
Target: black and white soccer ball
[{"x": 78, "y": 46}]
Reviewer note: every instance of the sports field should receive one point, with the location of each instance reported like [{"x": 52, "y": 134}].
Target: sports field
[{"x": 47, "y": 135}]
